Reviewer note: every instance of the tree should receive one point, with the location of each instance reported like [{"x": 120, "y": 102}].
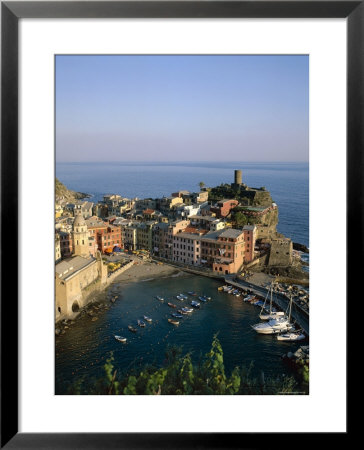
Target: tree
[
  {"x": 201, "y": 184},
  {"x": 179, "y": 376}
]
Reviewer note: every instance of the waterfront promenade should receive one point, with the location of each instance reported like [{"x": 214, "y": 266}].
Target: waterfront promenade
[{"x": 300, "y": 316}]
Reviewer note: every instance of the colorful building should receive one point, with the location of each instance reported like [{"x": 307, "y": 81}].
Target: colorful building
[{"x": 223, "y": 207}]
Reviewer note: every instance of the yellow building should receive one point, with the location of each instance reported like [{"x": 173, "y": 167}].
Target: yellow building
[{"x": 72, "y": 278}]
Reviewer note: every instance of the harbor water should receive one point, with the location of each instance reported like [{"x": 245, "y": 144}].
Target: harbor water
[{"x": 82, "y": 351}]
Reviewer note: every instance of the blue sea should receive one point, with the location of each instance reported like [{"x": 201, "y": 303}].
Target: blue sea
[{"x": 288, "y": 184}]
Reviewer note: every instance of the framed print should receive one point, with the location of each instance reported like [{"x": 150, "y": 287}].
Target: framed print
[{"x": 207, "y": 169}]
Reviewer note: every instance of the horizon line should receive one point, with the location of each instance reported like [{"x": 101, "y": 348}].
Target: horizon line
[{"x": 177, "y": 161}]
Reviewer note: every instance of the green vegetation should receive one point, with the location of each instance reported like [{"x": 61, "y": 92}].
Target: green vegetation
[
  {"x": 179, "y": 376},
  {"x": 201, "y": 184}
]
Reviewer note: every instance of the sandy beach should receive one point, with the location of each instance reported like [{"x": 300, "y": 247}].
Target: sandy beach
[{"x": 143, "y": 270}]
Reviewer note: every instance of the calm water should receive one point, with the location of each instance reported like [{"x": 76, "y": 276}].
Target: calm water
[
  {"x": 288, "y": 184},
  {"x": 82, "y": 351}
]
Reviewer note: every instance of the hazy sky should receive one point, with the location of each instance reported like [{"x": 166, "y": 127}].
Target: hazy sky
[{"x": 182, "y": 108}]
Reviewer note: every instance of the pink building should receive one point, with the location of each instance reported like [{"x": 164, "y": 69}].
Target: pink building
[
  {"x": 250, "y": 232},
  {"x": 223, "y": 207},
  {"x": 187, "y": 248}
]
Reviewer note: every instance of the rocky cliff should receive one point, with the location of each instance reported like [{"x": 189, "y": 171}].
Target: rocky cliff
[{"x": 64, "y": 195}]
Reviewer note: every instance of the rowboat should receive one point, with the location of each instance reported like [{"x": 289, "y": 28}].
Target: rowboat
[
  {"x": 291, "y": 337},
  {"x": 120, "y": 338},
  {"x": 148, "y": 319},
  {"x": 171, "y": 305},
  {"x": 141, "y": 323},
  {"x": 195, "y": 304},
  {"x": 132, "y": 329},
  {"x": 173, "y": 322}
]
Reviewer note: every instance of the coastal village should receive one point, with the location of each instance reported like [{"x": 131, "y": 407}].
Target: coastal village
[{"x": 224, "y": 231}]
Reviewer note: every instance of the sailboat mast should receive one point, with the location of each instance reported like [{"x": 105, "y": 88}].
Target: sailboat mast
[
  {"x": 271, "y": 298},
  {"x": 265, "y": 300}
]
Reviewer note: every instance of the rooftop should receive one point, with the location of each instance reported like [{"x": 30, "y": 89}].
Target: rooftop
[
  {"x": 68, "y": 267},
  {"x": 231, "y": 233}
]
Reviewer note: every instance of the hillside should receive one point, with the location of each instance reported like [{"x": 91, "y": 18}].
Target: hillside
[{"x": 62, "y": 194}]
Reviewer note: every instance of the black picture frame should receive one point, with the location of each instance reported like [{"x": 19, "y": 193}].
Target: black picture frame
[{"x": 11, "y": 12}]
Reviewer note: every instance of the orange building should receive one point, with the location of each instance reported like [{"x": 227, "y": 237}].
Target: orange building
[
  {"x": 223, "y": 250},
  {"x": 106, "y": 236}
]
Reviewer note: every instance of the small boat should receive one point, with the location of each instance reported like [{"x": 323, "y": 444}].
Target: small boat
[
  {"x": 195, "y": 304},
  {"x": 220, "y": 288},
  {"x": 161, "y": 299},
  {"x": 173, "y": 322},
  {"x": 120, "y": 338},
  {"x": 148, "y": 319},
  {"x": 291, "y": 337},
  {"x": 183, "y": 296},
  {"x": 171, "y": 305},
  {"x": 181, "y": 311},
  {"x": 191, "y": 293},
  {"x": 178, "y": 297},
  {"x": 203, "y": 299},
  {"x": 177, "y": 316},
  {"x": 132, "y": 329},
  {"x": 141, "y": 323},
  {"x": 187, "y": 310}
]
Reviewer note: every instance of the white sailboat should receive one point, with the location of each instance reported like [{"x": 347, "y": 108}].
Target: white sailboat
[
  {"x": 272, "y": 314},
  {"x": 276, "y": 325}
]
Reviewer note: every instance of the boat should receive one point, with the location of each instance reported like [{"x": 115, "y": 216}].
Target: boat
[
  {"x": 173, "y": 322},
  {"x": 195, "y": 304},
  {"x": 161, "y": 299},
  {"x": 187, "y": 310},
  {"x": 183, "y": 296},
  {"x": 141, "y": 323},
  {"x": 148, "y": 319},
  {"x": 181, "y": 311},
  {"x": 203, "y": 299},
  {"x": 178, "y": 297},
  {"x": 273, "y": 326},
  {"x": 291, "y": 337},
  {"x": 120, "y": 338},
  {"x": 177, "y": 316},
  {"x": 277, "y": 325},
  {"x": 192, "y": 293},
  {"x": 272, "y": 313},
  {"x": 220, "y": 288},
  {"x": 171, "y": 305},
  {"x": 132, "y": 329}
]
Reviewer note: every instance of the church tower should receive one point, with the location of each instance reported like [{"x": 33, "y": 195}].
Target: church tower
[{"x": 80, "y": 237}]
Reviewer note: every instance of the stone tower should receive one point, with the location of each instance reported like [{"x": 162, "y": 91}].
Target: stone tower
[
  {"x": 80, "y": 237},
  {"x": 238, "y": 175}
]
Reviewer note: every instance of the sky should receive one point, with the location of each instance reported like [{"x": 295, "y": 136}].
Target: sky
[{"x": 182, "y": 108}]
